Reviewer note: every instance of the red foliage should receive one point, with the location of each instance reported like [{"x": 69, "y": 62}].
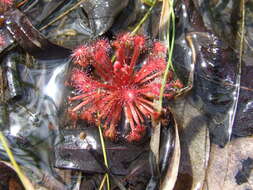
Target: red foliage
[{"x": 126, "y": 86}]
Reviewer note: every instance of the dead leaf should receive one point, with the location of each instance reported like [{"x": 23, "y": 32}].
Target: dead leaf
[
  {"x": 164, "y": 20},
  {"x": 14, "y": 184},
  {"x": 231, "y": 167},
  {"x": 195, "y": 145},
  {"x": 171, "y": 176}
]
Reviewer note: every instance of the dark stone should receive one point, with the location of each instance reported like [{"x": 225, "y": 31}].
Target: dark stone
[
  {"x": 243, "y": 174},
  {"x": 73, "y": 153}
]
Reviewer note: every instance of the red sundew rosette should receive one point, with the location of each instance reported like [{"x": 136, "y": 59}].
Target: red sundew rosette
[{"x": 121, "y": 86}]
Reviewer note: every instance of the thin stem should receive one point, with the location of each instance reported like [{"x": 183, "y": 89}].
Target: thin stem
[
  {"x": 104, "y": 154},
  {"x": 143, "y": 19},
  {"x": 27, "y": 184},
  {"x": 102, "y": 182},
  {"x": 170, "y": 51},
  {"x": 148, "y": 2},
  {"x": 172, "y": 40},
  {"x": 242, "y": 30},
  {"x": 135, "y": 30},
  {"x": 62, "y": 15},
  {"x": 155, "y": 138},
  {"x": 21, "y": 3}
]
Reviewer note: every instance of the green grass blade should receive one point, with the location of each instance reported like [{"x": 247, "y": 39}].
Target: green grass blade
[{"x": 26, "y": 182}]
